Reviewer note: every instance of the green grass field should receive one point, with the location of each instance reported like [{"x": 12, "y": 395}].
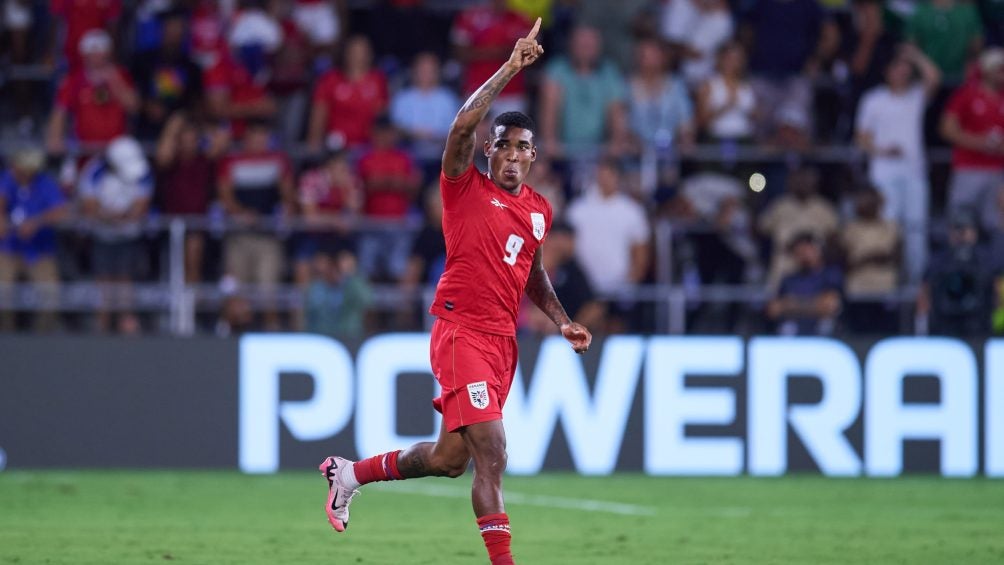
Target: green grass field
[{"x": 218, "y": 517}]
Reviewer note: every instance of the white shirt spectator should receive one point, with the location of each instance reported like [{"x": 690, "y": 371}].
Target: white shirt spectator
[
  {"x": 895, "y": 120},
  {"x": 605, "y": 231},
  {"x": 737, "y": 121},
  {"x": 319, "y": 20},
  {"x": 701, "y": 26},
  {"x": 255, "y": 27},
  {"x": 116, "y": 188},
  {"x": 425, "y": 113}
]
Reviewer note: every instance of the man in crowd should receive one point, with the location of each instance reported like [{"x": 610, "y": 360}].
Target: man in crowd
[{"x": 30, "y": 204}]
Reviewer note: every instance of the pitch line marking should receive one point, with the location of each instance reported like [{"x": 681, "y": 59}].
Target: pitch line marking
[{"x": 540, "y": 500}]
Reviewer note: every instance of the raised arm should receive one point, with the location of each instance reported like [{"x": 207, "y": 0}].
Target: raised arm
[
  {"x": 459, "y": 153},
  {"x": 541, "y": 293}
]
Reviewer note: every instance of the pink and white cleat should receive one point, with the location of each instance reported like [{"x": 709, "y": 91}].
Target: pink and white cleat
[{"x": 339, "y": 496}]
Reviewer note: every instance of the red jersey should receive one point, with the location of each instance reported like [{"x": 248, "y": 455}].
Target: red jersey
[
  {"x": 484, "y": 28},
  {"x": 980, "y": 112},
  {"x": 352, "y": 104},
  {"x": 97, "y": 115},
  {"x": 81, "y": 17},
  {"x": 491, "y": 237},
  {"x": 381, "y": 164},
  {"x": 232, "y": 78}
]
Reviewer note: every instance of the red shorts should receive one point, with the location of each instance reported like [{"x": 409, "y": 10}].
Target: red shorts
[{"x": 475, "y": 371}]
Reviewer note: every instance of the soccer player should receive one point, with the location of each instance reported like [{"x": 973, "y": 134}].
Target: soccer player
[{"x": 494, "y": 227}]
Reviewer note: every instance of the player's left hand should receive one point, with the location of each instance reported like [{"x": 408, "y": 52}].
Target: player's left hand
[{"x": 577, "y": 335}]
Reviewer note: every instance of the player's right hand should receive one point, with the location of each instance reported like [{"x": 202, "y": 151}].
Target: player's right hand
[{"x": 527, "y": 50}]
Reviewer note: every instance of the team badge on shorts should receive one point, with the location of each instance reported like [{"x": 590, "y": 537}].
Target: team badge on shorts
[
  {"x": 479, "y": 394},
  {"x": 537, "y": 219}
]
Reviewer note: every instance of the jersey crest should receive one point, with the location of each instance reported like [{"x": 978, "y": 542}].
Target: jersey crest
[
  {"x": 537, "y": 219},
  {"x": 479, "y": 394}
]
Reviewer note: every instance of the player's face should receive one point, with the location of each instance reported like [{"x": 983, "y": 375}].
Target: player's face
[{"x": 510, "y": 152}]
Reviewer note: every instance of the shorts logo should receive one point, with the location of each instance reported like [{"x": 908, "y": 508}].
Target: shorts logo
[
  {"x": 479, "y": 394},
  {"x": 537, "y": 219}
]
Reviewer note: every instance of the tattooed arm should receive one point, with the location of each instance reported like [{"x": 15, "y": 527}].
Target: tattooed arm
[
  {"x": 541, "y": 293},
  {"x": 459, "y": 151}
]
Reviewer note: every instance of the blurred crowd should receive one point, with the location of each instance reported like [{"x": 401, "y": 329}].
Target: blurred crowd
[{"x": 300, "y": 140}]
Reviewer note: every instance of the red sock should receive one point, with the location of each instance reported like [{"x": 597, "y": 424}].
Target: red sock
[
  {"x": 378, "y": 468},
  {"x": 495, "y": 531}
]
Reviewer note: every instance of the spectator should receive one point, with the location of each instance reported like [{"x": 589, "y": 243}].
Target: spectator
[
  {"x": 167, "y": 78},
  {"x": 798, "y": 211},
  {"x": 890, "y": 128},
  {"x": 619, "y": 27},
  {"x": 254, "y": 184},
  {"x": 337, "y": 297},
  {"x": 724, "y": 246},
  {"x": 186, "y": 179},
  {"x": 348, "y": 100},
  {"x": 18, "y": 21},
  {"x": 208, "y": 22},
  {"x": 547, "y": 182},
  {"x": 582, "y": 99},
  {"x": 290, "y": 73},
  {"x": 391, "y": 181},
  {"x": 809, "y": 299},
  {"x": 330, "y": 198},
  {"x": 611, "y": 236},
  {"x": 570, "y": 284},
  {"x": 947, "y": 31},
  {"x": 116, "y": 188},
  {"x": 424, "y": 111},
  {"x": 973, "y": 123},
  {"x": 254, "y": 36},
  {"x": 871, "y": 246},
  {"x": 957, "y": 296},
  {"x": 98, "y": 97},
  {"x": 870, "y": 47},
  {"x": 30, "y": 204},
  {"x": 427, "y": 260},
  {"x": 233, "y": 96},
  {"x": 483, "y": 36},
  {"x": 726, "y": 103},
  {"x": 660, "y": 109},
  {"x": 720, "y": 249},
  {"x": 237, "y": 316},
  {"x": 698, "y": 29},
  {"x": 81, "y": 17},
  {"x": 788, "y": 40},
  {"x": 322, "y": 21},
  {"x": 428, "y": 252}
]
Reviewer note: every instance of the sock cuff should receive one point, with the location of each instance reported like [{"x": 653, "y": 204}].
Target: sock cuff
[
  {"x": 494, "y": 523},
  {"x": 390, "y": 465}
]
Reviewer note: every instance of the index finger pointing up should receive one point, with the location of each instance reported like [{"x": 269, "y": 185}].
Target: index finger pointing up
[{"x": 534, "y": 31}]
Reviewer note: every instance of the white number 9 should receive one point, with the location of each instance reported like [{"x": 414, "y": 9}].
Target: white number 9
[{"x": 512, "y": 247}]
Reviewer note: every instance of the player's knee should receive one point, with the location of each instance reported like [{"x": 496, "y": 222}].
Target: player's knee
[
  {"x": 450, "y": 467},
  {"x": 491, "y": 459},
  {"x": 456, "y": 469}
]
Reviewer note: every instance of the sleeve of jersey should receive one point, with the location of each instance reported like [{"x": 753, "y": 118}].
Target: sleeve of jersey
[{"x": 456, "y": 186}]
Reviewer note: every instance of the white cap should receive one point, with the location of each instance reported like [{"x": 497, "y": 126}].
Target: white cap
[
  {"x": 126, "y": 156},
  {"x": 991, "y": 59},
  {"x": 95, "y": 41}
]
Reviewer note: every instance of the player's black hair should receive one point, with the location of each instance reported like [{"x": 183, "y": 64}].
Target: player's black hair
[{"x": 514, "y": 120}]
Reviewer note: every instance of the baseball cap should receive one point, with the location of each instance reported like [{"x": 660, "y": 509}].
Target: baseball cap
[
  {"x": 992, "y": 58},
  {"x": 95, "y": 41},
  {"x": 126, "y": 156},
  {"x": 28, "y": 158}
]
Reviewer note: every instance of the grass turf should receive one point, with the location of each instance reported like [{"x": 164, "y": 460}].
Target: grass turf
[{"x": 219, "y": 517}]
